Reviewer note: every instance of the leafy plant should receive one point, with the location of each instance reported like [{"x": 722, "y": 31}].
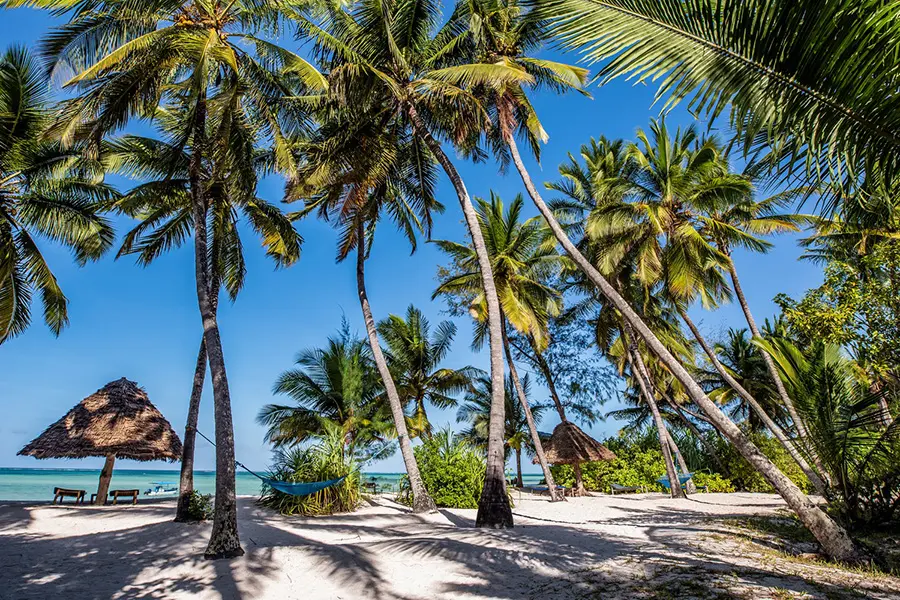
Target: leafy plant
[
  {"x": 632, "y": 467},
  {"x": 322, "y": 461},
  {"x": 714, "y": 482},
  {"x": 200, "y": 506},
  {"x": 453, "y": 471},
  {"x": 748, "y": 479}
]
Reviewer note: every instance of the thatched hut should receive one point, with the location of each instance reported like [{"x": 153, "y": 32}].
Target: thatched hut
[
  {"x": 117, "y": 420},
  {"x": 569, "y": 445}
]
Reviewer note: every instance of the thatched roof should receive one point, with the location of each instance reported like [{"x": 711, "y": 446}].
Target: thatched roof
[
  {"x": 569, "y": 444},
  {"x": 117, "y": 419}
]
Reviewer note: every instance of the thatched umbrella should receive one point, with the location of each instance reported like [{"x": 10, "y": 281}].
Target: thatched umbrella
[
  {"x": 117, "y": 420},
  {"x": 569, "y": 445}
]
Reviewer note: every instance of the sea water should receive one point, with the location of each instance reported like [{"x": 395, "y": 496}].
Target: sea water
[{"x": 38, "y": 484}]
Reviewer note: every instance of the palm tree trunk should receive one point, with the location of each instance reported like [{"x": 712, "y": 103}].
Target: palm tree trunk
[
  {"x": 422, "y": 502},
  {"x": 777, "y": 431},
  {"x": 186, "y": 485},
  {"x": 833, "y": 538},
  {"x": 224, "y": 541},
  {"x": 640, "y": 374},
  {"x": 541, "y": 362},
  {"x": 710, "y": 450},
  {"x": 519, "y": 481},
  {"x": 529, "y": 418},
  {"x": 493, "y": 507},
  {"x": 682, "y": 464}
]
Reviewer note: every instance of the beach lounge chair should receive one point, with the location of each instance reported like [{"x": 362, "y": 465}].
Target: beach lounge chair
[
  {"x": 60, "y": 493},
  {"x": 543, "y": 489},
  {"x": 615, "y": 488},
  {"x": 114, "y": 494}
]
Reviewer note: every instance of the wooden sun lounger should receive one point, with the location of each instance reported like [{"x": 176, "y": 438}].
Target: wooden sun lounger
[
  {"x": 114, "y": 494},
  {"x": 60, "y": 493}
]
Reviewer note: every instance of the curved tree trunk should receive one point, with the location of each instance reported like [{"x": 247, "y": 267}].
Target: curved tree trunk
[
  {"x": 224, "y": 541},
  {"x": 833, "y": 538},
  {"x": 777, "y": 431},
  {"x": 493, "y": 507},
  {"x": 710, "y": 450},
  {"x": 682, "y": 464},
  {"x": 532, "y": 428},
  {"x": 422, "y": 502},
  {"x": 640, "y": 374},
  {"x": 186, "y": 484}
]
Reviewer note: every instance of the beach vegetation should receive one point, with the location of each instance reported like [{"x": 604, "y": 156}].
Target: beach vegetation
[
  {"x": 452, "y": 470},
  {"x": 199, "y": 507}
]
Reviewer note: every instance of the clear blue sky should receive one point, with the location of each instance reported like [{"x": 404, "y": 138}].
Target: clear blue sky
[{"x": 143, "y": 324}]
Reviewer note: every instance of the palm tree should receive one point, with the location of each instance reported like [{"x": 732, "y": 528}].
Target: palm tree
[
  {"x": 414, "y": 356},
  {"x": 834, "y": 539},
  {"x": 205, "y": 61},
  {"x": 522, "y": 262},
  {"x": 831, "y": 117},
  {"x": 45, "y": 191},
  {"x": 337, "y": 385},
  {"x": 476, "y": 412},
  {"x": 360, "y": 166},
  {"x": 395, "y": 57},
  {"x": 162, "y": 204}
]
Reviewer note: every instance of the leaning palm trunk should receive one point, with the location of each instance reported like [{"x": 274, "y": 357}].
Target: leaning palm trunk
[
  {"x": 640, "y": 374},
  {"x": 833, "y": 538},
  {"x": 777, "y": 431},
  {"x": 224, "y": 541},
  {"x": 682, "y": 464},
  {"x": 532, "y": 428},
  {"x": 710, "y": 450},
  {"x": 493, "y": 507},
  {"x": 186, "y": 484},
  {"x": 422, "y": 502}
]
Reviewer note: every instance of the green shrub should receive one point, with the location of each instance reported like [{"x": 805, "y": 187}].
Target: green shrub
[
  {"x": 200, "y": 506},
  {"x": 320, "y": 462},
  {"x": 714, "y": 482},
  {"x": 451, "y": 469},
  {"x": 748, "y": 479},
  {"x": 632, "y": 467}
]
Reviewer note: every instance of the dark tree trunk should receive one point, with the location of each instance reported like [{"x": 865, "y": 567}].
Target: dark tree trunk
[
  {"x": 833, "y": 538},
  {"x": 422, "y": 502},
  {"x": 224, "y": 541},
  {"x": 493, "y": 507},
  {"x": 186, "y": 484},
  {"x": 777, "y": 431},
  {"x": 532, "y": 428},
  {"x": 519, "y": 481},
  {"x": 105, "y": 477}
]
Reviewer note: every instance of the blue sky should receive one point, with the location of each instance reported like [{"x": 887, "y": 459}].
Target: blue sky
[{"x": 143, "y": 324}]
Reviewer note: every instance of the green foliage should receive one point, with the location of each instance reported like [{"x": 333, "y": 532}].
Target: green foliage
[
  {"x": 714, "y": 482},
  {"x": 633, "y": 467},
  {"x": 748, "y": 479},
  {"x": 320, "y": 462},
  {"x": 452, "y": 470},
  {"x": 200, "y": 506}
]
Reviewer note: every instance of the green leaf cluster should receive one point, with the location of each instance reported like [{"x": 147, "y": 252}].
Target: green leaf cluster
[
  {"x": 632, "y": 467},
  {"x": 452, "y": 470}
]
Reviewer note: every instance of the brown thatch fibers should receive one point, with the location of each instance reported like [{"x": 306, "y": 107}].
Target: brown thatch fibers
[
  {"x": 569, "y": 444},
  {"x": 117, "y": 419}
]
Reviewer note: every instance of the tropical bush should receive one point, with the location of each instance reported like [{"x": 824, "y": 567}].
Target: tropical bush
[
  {"x": 713, "y": 482},
  {"x": 452, "y": 470},
  {"x": 746, "y": 478},
  {"x": 327, "y": 459},
  {"x": 200, "y": 506},
  {"x": 633, "y": 466}
]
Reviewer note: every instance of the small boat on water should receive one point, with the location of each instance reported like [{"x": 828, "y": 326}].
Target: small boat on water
[{"x": 162, "y": 488}]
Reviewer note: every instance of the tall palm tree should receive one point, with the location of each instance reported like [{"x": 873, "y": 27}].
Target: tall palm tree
[
  {"x": 161, "y": 201},
  {"x": 337, "y": 384},
  {"x": 205, "y": 61},
  {"x": 45, "y": 192},
  {"x": 834, "y": 538},
  {"x": 522, "y": 262},
  {"x": 415, "y": 355},
  {"x": 476, "y": 412},
  {"x": 360, "y": 166},
  {"x": 395, "y": 56},
  {"x": 830, "y": 117}
]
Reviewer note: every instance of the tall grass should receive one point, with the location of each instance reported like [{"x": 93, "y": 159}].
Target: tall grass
[{"x": 327, "y": 459}]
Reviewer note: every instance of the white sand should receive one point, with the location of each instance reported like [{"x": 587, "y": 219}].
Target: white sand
[{"x": 599, "y": 547}]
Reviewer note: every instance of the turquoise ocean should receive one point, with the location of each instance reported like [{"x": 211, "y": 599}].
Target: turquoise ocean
[{"x": 38, "y": 484}]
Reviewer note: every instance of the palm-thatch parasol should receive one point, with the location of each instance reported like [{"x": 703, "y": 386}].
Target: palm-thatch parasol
[
  {"x": 569, "y": 445},
  {"x": 117, "y": 420}
]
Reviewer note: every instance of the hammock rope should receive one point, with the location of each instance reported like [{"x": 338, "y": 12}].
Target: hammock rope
[{"x": 285, "y": 487}]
